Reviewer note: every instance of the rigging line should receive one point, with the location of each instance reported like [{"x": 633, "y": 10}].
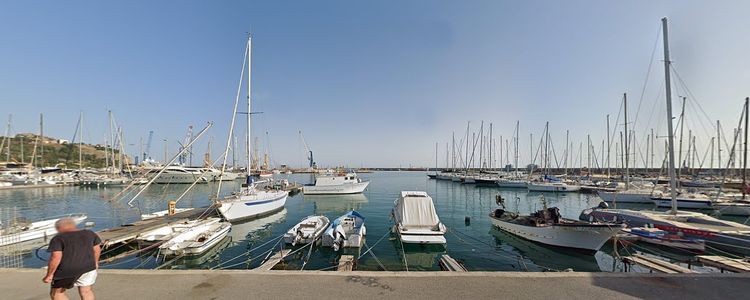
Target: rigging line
[
  {"x": 690, "y": 94},
  {"x": 648, "y": 73}
]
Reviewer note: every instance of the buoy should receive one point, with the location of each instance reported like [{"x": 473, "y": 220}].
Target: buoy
[{"x": 467, "y": 220}]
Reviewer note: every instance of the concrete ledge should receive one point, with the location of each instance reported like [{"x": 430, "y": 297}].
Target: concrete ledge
[{"x": 241, "y": 284}]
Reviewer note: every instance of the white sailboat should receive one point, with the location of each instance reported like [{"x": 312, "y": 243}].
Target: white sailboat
[
  {"x": 26, "y": 231},
  {"x": 250, "y": 201}
]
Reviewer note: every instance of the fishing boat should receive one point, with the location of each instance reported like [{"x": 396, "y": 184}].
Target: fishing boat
[
  {"x": 22, "y": 231},
  {"x": 306, "y": 231},
  {"x": 251, "y": 201},
  {"x": 347, "y": 183},
  {"x": 548, "y": 227},
  {"x": 346, "y": 231},
  {"x": 197, "y": 239},
  {"x": 416, "y": 219},
  {"x": 662, "y": 238}
]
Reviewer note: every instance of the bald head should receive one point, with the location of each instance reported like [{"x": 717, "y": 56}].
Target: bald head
[{"x": 65, "y": 225}]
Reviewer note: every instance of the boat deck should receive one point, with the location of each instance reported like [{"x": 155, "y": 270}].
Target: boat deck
[
  {"x": 128, "y": 232},
  {"x": 735, "y": 265},
  {"x": 656, "y": 265}
]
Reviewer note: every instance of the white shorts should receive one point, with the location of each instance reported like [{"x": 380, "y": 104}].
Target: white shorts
[{"x": 87, "y": 279}]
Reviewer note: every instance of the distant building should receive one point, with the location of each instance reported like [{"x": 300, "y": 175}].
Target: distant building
[{"x": 63, "y": 142}]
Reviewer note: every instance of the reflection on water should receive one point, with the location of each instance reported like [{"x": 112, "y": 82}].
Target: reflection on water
[
  {"x": 325, "y": 204},
  {"x": 463, "y": 208}
]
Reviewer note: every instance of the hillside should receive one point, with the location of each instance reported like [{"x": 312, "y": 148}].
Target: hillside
[{"x": 57, "y": 152}]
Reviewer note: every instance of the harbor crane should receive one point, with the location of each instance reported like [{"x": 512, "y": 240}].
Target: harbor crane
[
  {"x": 308, "y": 152},
  {"x": 147, "y": 153}
]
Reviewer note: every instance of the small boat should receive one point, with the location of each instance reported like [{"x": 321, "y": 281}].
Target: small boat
[
  {"x": 251, "y": 202},
  {"x": 416, "y": 219},
  {"x": 23, "y": 231},
  {"x": 663, "y": 238},
  {"x": 197, "y": 239},
  {"x": 306, "y": 231},
  {"x": 162, "y": 213},
  {"x": 626, "y": 196},
  {"x": 333, "y": 185},
  {"x": 548, "y": 227},
  {"x": 347, "y": 231},
  {"x": 168, "y": 231}
]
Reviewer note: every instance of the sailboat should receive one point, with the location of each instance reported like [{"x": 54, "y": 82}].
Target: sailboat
[
  {"x": 726, "y": 235},
  {"x": 516, "y": 181},
  {"x": 550, "y": 183},
  {"x": 250, "y": 201}
]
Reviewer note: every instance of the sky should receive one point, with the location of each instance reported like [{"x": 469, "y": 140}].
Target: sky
[{"x": 370, "y": 83}]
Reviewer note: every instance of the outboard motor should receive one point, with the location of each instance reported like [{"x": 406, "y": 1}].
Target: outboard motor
[{"x": 603, "y": 205}]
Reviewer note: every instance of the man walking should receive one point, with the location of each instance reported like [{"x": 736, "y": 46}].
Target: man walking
[{"x": 73, "y": 261}]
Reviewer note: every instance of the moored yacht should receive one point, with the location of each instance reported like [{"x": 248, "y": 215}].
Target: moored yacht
[{"x": 347, "y": 183}]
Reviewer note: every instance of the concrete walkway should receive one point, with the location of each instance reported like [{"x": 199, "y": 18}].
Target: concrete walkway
[{"x": 200, "y": 284}]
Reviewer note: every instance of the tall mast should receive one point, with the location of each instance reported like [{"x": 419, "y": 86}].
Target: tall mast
[
  {"x": 518, "y": 133},
  {"x": 609, "y": 149},
  {"x": 670, "y": 136},
  {"x": 80, "y": 143},
  {"x": 718, "y": 142},
  {"x": 627, "y": 149},
  {"x": 744, "y": 152},
  {"x": 41, "y": 133},
  {"x": 249, "y": 102},
  {"x": 682, "y": 129}
]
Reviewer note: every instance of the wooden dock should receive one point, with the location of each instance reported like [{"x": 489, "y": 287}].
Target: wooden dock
[
  {"x": 735, "y": 265},
  {"x": 655, "y": 265},
  {"x": 128, "y": 232},
  {"x": 346, "y": 263},
  {"x": 449, "y": 264},
  {"x": 275, "y": 259}
]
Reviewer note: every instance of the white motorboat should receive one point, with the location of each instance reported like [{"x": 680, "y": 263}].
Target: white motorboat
[
  {"x": 168, "y": 231},
  {"x": 197, "y": 239},
  {"x": 416, "y": 219},
  {"x": 178, "y": 175},
  {"x": 346, "y": 231},
  {"x": 553, "y": 186},
  {"x": 339, "y": 184},
  {"x": 19, "y": 232},
  {"x": 162, "y": 213},
  {"x": 306, "y": 231},
  {"x": 548, "y": 227}
]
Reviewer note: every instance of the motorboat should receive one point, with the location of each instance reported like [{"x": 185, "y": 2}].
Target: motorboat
[
  {"x": 347, "y": 183},
  {"x": 684, "y": 201},
  {"x": 22, "y": 231},
  {"x": 306, "y": 231},
  {"x": 416, "y": 220},
  {"x": 168, "y": 231},
  {"x": 197, "y": 239},
  {"x": 178, "y": 175},
  {"x": 163, "y": 213},
  {"x": 346, "y": 231},
  {"x": 548, "y": 227},
  {"x": 626, "y": 196}
]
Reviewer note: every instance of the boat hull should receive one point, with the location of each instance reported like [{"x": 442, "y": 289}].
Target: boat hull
[
  {"x": 244, "y": 207},
  {"x": 684, "y": 203},
  {"x": 584, "y": 237},
  {"x": 347, "y": 188},
  {"x": 545, "y": 187},
  {"x": 512, "y": 184},
  {"x": 624, "y": 197}
]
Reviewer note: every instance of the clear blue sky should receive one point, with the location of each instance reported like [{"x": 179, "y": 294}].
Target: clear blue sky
[{"x": 371, "y": 83}]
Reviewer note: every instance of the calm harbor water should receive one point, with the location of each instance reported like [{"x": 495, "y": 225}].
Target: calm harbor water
[{"x": 474, "y": 242}]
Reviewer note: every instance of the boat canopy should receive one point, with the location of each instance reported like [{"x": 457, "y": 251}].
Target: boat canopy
[
  {"x": 352, "y": 213},
  {"x": 415, "y": 209}
]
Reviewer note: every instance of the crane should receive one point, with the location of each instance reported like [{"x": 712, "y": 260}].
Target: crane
[
  {"x": 308, "y": 152},
  {"x": 147, "y": 153}
]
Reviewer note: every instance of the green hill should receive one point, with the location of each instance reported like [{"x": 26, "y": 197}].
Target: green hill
[{"x": 27, "y": 147}]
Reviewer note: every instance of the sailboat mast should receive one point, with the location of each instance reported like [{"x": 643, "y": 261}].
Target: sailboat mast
[
  {"x": 518, "y": 134},
  {"x": 670, "y": 135},
  {"x": 80, "y": 144},
  {"x": 249, "y": 102},
  {"x": 627, "y": 148},
  {"x": 744, "y": 151},
  {"x": 609, "y": 148}
]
